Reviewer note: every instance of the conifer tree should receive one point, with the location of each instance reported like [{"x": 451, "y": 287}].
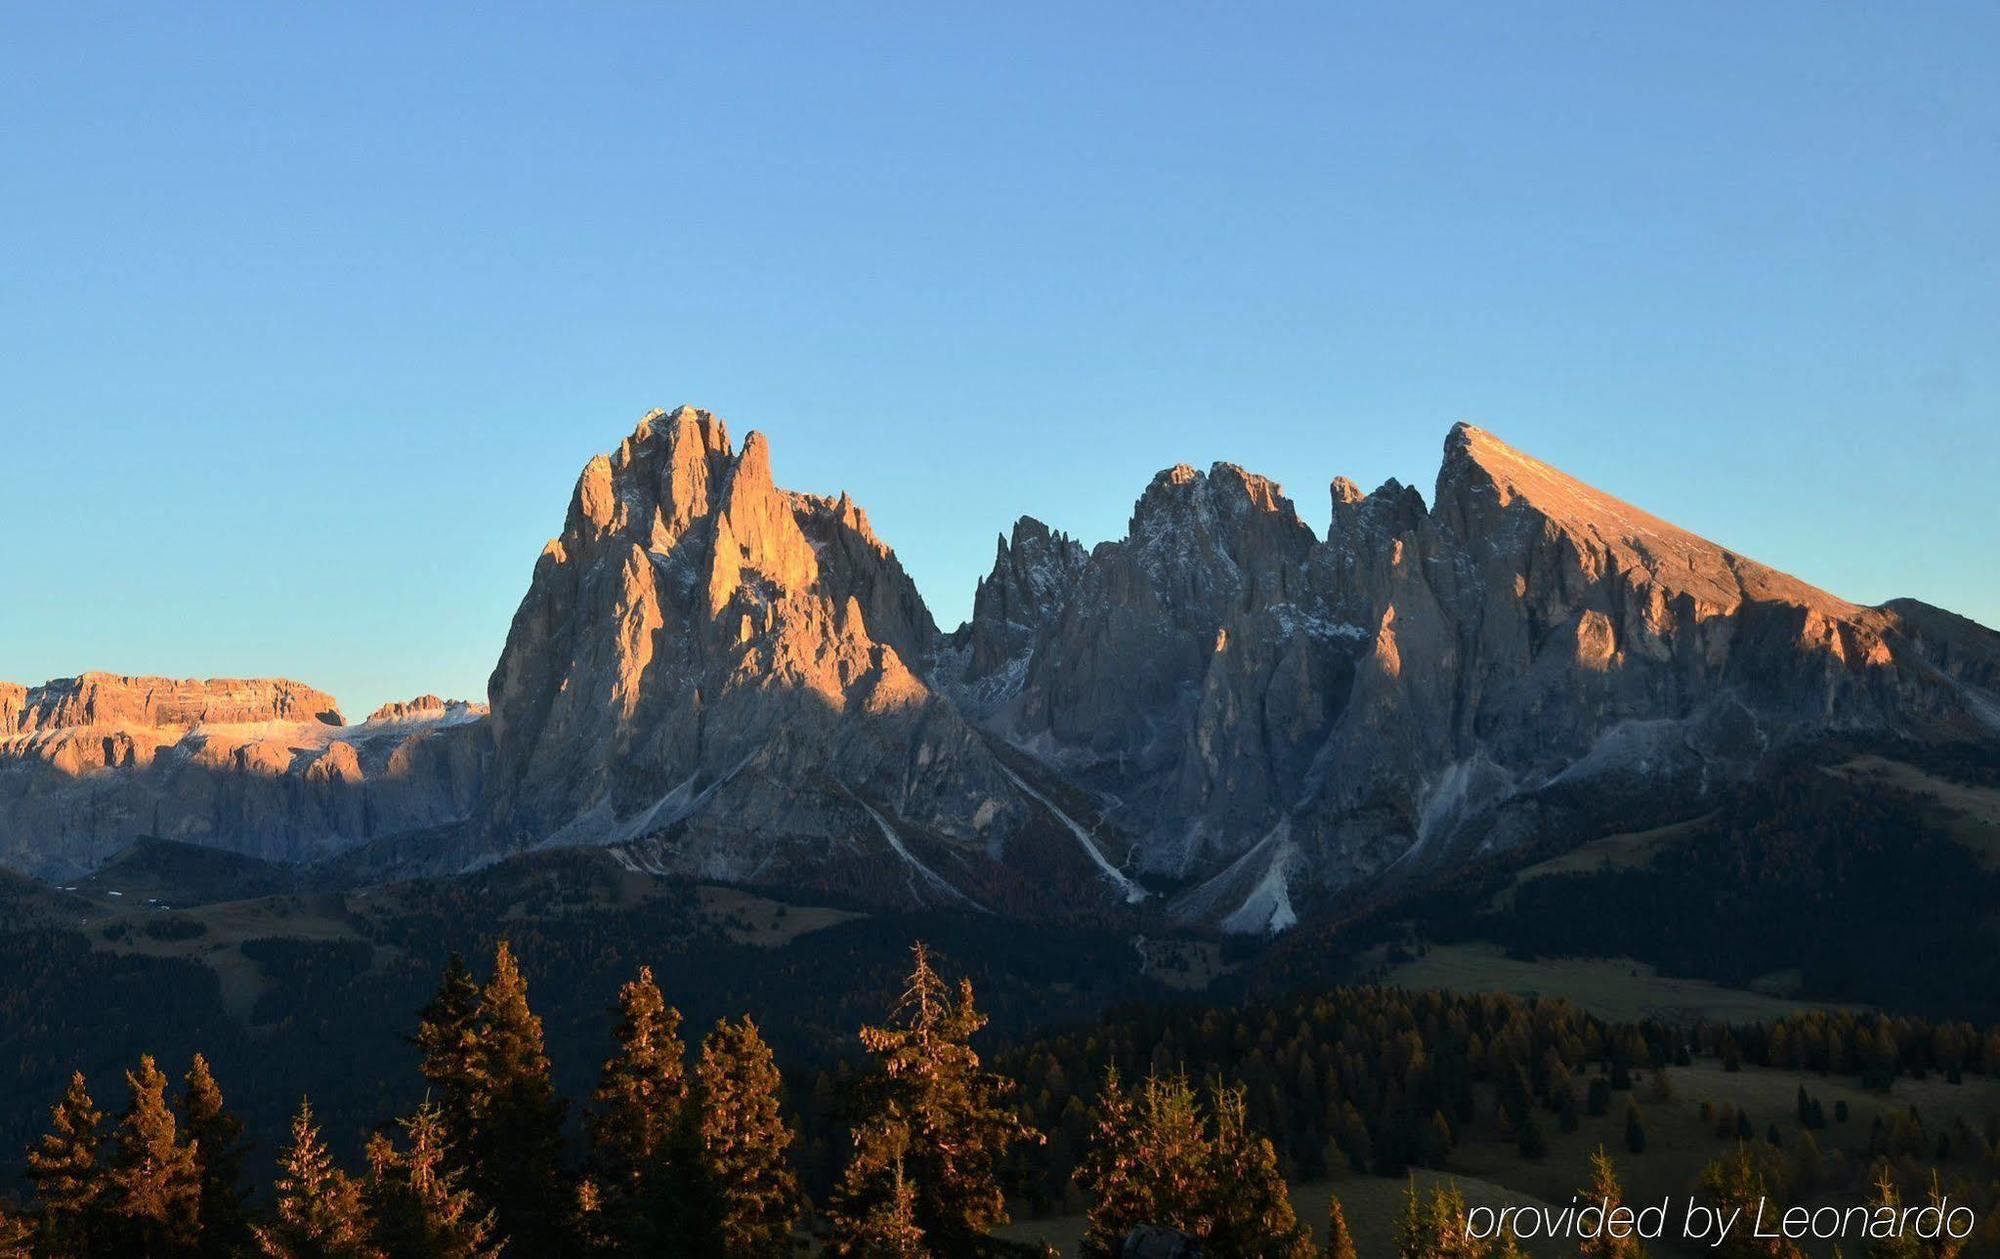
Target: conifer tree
[
  {"x": 1529, "y": 1138},
  {"x": 153, "y": 1181},
  {"x": 319, "y": 1212},
  {"x": 1339, "y": 1239},
  {"x": 929, "y": 1082},
  {"x": 420, "y": 1208},
  {"x": 1434, "y": 1227},
  {"x": 446, "y": 1035},
  {"x": 1415, "y": 1237},
  {"x": 219, "y": 1152},
  {"x": 1449, "y": 1230},
  {"x": 1161, "y": 1160},
  {"x": 516, "y": 1136},
  {"x": 15, "y": 1234},
  {"x": 1605, "y": 1190},
  {"x": 1251, "y": 1211},
  {"x": 1899, "y": 1244},
  {"x": 1734, "y": 1182},
  {"x": 890, "y": 1229},
  {"x": 68, "y": 1177},
  {"x": 749, "y": 1199},
  {"x": 640, "y": 1151},
  {"x": 1635, "y": 1127},
  {"x": 1146, "y": 1163}
]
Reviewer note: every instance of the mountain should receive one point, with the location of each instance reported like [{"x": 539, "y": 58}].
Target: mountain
[
  {"x": 1278, "y": 715},
  {"x": 265, "y": 767},
  {"x": 716, "y": 678}
]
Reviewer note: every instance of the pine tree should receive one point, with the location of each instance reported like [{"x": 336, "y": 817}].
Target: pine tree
[
  {"x": 1250, "y": 1212},
  {"x": 15, "y": 1234},
  {"x": 929, "y": 1082},
  {"x": 446, "y": 1034},
  {"x": 1166, "y": 1160},
  {"x": 1449, "y": 1228},
  {"x": 640, "y": 1151},
  {"x": 1434, "y": 1227},
  {"x": 319, "y": 1213},
  {"x": 1635, "y": 1128},
  {"x": 1339, "y": 1239},
  {"x": 219, "y": 1152},
  {"x": 890, "y": 1229},
  {"x": 1604, "y": 1190},
  {"x": 1899, "y": 1244},
  {"x": 1735, "y": 1183},
  {"x": 68, "y": 1177},
  {"x": 420, "y": 1208},
  {"x": 1147, "y": 1164},
  {"x": 516, "y": 1135},
  {"x": 1943, "y": 1246},
  {"x": 1530, "y": 1140},
  {"x": 1415, "y": 1236},
  {"x": 749, "y": 1199},
  {"x": 154, "y": 1182}
]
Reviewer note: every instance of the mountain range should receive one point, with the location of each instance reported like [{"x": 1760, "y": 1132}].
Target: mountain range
[{"x": 1224, "y": 718}]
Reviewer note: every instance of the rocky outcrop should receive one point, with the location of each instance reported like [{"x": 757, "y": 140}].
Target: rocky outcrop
[
  {"x": 1034, "y": 572},
  {"x": 717, "y": 677},
  {"x": 262, "y": 766},
  {"x": 428, "y": 708},
  {"x": 106, "y": 699},
  {"x": 1279, "y": 716}
]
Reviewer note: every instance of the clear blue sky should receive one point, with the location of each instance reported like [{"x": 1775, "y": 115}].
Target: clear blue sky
[{"x": 310, "y": 314}]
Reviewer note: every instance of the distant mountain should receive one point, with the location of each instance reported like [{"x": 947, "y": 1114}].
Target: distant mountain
[
  {"x": 261, "y": 766},
  {"x": 1223, "y": 716}
]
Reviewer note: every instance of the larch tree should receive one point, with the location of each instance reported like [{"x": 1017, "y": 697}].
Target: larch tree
[
  {"x": 1888, "y": 1197},
  {"x": 219, "y": 1153},
  {"x": 1115, "y": 1170},
  {"x": 890, "y": 1229},
  {"x": 750, "y": 1200},
  {"x": 419, "y": 1206},
  {"x": 1252, "y": 1210},
  {"x": 1735, "y": 1182},
  {"x": 154, "y": 1183},
  {"x": 319, "y": 1212},
  {"x": 929, "y": 1082},
  {"x": 1604, "y": 1190},
  {"x": 1167, "y": 1160},
  {"x": 516, "y": 1136},
  {"x": 16, "y": 1234},
  {"x": 1433, "y": 1226},
  {"x": 68, "y": 1177},
  {"x": 1339, "y": 1238},
  {"x": 638, "y": 1123}
]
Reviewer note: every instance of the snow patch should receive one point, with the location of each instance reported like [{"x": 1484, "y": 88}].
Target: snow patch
[
  {"x": 1132, "y": 891},
  {"x": 917, "y": 867}
]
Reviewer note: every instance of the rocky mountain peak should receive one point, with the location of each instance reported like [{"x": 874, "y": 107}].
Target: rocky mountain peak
[
  {"x": 427, "y": 707},
  {"x": 716, "y": 676},
  {"x": 1034, "y": 571},
  {"x": 1488, "y": 490},
  {"x": 116, "y": 700}
]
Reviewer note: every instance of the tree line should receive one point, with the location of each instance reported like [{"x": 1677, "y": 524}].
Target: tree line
[
  {"x": 687, "y": 1151},
  {"x": 1186, "y": 1118}
]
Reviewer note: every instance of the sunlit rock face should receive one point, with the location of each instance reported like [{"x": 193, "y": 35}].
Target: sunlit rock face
[
  {"x": 717, "y": 677},
  {"x": 264, "y": 766}
]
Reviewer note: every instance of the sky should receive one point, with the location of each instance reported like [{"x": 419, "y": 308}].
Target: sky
[{"x": 311, "y": 314}]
